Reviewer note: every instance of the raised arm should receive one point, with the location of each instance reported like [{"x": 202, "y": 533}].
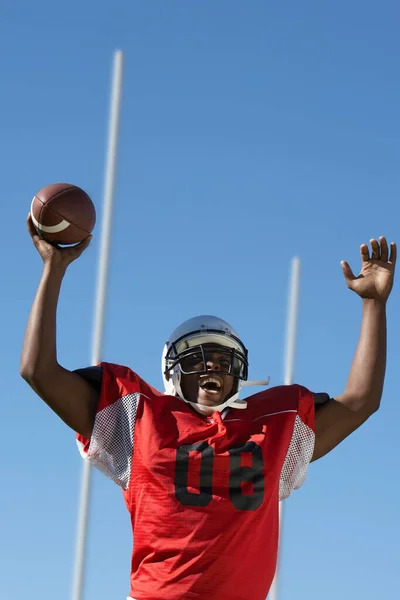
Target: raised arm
[
  {"x": 339, "y": 417},
  {"x": 69, "y": 395}
]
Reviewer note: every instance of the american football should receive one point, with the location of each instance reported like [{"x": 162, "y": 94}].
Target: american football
[{"x": 63, "y": 214}]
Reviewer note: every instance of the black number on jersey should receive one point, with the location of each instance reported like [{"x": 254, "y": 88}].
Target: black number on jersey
[
  {"x": 238, "y": 474},
  {"x": 182, "y": 472},
  {"x": 253, "y": 475}
]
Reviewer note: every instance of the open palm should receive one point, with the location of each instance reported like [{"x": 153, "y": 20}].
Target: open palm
[{"x": 377, "y": 271}]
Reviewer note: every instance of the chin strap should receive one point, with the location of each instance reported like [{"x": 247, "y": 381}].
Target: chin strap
[{"x": 256, "y": 382}]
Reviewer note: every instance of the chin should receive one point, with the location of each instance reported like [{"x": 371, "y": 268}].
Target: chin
[
  {"x": 208, "y": 404},
  {"x": 207, "y": 401}
]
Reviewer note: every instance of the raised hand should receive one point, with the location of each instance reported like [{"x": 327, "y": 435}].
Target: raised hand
[
  {"x": 54, "y": 255},
  {"x": 375, "y": 280}
]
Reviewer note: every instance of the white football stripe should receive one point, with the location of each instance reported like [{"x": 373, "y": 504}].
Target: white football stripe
[{"x": 49, "y": 228}]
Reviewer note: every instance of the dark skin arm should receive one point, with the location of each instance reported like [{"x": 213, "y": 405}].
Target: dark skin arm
[
  {"x": 72, "y": 398},
  {"x": 339, "y": 417}
]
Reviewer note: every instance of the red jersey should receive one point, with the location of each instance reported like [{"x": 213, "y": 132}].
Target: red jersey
[{"x": 202, "y": 491}]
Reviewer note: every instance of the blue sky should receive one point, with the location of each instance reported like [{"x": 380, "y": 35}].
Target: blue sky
[{"x": 251, "y": 132}]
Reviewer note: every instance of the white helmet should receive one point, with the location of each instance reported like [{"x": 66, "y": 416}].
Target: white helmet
[{"x": 189, "y": 339}]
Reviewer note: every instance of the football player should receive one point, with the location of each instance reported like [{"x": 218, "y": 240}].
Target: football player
[{"x": 201, "y": 469}]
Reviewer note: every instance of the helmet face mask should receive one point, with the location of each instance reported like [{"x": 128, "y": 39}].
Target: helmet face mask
[{"x": 209, "y": 358}]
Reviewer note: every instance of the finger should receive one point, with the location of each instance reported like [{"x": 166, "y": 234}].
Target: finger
[
  {"x": 364, "y": 252},
  {"x": 31, "y": 229},
  {"x": 376, "y": 253},
  {"x": 393, "y": 253},
  {"x": 79, "y": 248},
  {"x": 348, "y": 273},
  {"x": 85, "y": 243},
  {"x": 384, "y": 248}
]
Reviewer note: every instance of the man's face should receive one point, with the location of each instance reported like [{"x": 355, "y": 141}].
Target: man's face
[{"x": 208, "y": 389}]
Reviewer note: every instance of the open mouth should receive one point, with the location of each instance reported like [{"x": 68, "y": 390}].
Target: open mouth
[{"x": 211, "y": 385}]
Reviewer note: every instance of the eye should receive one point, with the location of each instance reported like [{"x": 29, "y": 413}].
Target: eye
[
  {"x": 196, "y": 358},
  {"x": 192, "y": 363},
  {"x": 225, "y": 363}
]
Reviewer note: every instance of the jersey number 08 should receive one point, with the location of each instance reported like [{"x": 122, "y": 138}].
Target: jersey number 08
[{"x": 238, "y": 474}]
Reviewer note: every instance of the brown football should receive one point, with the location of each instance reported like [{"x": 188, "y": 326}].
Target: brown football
[{"x": 63, "y": 213}]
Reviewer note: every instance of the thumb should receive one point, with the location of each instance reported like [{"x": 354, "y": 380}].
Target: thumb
[{"x": 347, "y": 272}]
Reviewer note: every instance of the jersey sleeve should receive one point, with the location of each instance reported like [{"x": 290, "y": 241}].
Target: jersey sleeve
[
  {"x": 301, "y": 446},
  {"x": 110, "y": 446}
]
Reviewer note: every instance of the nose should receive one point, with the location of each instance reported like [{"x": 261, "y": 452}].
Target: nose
[{"x": 212, "y": 366}]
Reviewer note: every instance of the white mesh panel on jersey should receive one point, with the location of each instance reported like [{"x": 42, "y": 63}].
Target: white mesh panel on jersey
[
  {"x": 111, "y": 443},
  {"x": 298, "y": 457}
]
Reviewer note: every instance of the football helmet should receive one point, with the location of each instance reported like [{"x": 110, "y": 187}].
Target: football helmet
[{"x": 187, "y": 349}]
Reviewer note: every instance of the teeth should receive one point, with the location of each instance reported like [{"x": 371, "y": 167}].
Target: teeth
[{"x": 211, "y": 380}]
